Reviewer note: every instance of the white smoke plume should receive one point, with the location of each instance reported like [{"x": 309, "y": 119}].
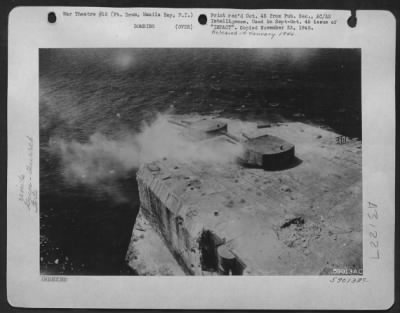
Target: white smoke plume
[{"x": 102, "y": 159}]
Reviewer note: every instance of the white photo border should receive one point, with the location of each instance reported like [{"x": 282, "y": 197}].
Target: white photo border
[{"x": 374, "y": 34}]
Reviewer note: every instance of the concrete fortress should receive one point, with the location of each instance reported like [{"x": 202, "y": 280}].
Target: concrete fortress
[{"x": 269, "y": 212}]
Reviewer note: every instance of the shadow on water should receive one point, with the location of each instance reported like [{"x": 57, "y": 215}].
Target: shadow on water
[{"x": 84, "y": 231}]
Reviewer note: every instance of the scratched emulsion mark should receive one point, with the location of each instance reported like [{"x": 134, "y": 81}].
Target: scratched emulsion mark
[{"x": 26, "y": 193}]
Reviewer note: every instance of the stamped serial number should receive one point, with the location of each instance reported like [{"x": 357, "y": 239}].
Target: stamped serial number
[
  {"x": 373, "y": 234},
  {"x": 348, "y": 280},
  {"x": 347, "y": 271},
  {"x": 52, "y": 279}
]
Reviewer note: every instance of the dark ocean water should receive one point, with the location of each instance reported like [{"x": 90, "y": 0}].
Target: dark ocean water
[{"x": 111, "y": 91}]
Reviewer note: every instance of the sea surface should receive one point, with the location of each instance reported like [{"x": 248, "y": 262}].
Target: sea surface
[{"x": 85, "y": 229}]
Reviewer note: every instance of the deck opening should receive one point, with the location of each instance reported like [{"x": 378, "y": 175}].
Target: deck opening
[
  {"x": 229, "y": 263},
  {"x": 208, "y": 248},
  {"x": 217, "y": 257}
]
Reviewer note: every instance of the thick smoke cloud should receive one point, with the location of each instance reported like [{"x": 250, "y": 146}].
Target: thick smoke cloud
[{"x": 102, "y": 159}]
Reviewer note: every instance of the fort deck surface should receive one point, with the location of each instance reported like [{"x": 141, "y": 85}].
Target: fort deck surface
[{"x": 224, "y": 218}]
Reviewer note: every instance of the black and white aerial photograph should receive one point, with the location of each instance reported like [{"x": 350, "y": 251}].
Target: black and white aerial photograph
[{"x": 200, "y": 161}]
